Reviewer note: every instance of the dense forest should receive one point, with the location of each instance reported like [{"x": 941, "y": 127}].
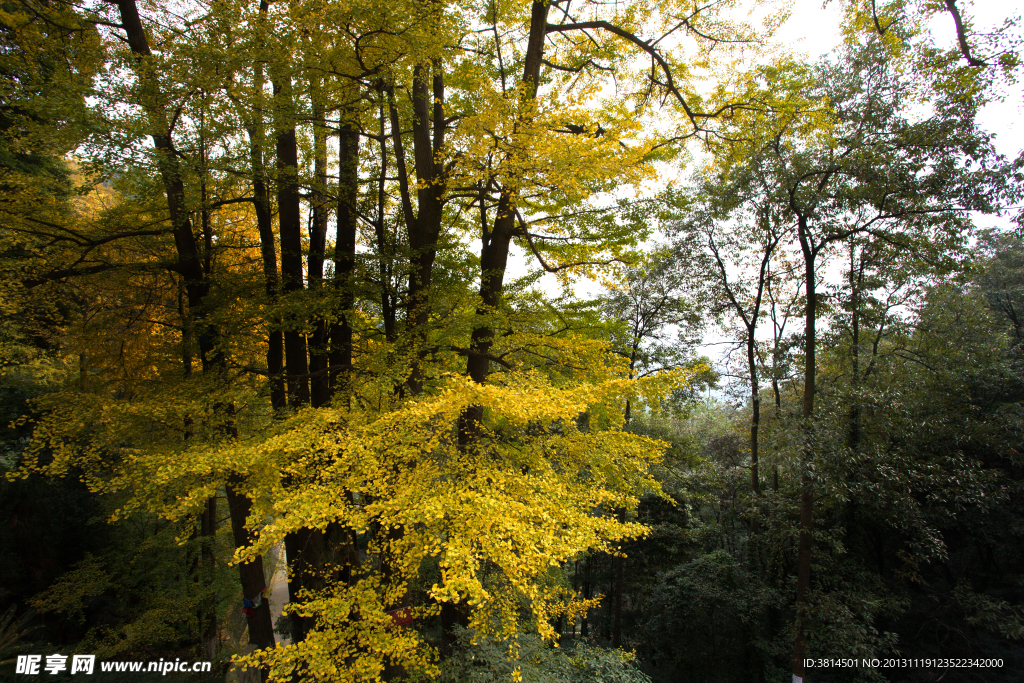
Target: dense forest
[{"x": 541, "y": 341}]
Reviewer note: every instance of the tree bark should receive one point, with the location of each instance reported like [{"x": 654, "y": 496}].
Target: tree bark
[
  {"x": 425, "y": 229},
  {"x": 803, "y": 576},
  {"x": 208, "y": 537},
  {"x": 620, "y": 567},
  {"x": 302, "y": 547},
  {"x": 494, "y": 251},
  {"x": 319, "y": 354},
  {"x": 345, "y": 253},
  {"x": 189, "y": 265},
  {"x": 189, "y": 261},
  {"x": 290, "y": 226},
  {"x": 856, "y": 283},
  {"x": 384, "y": 249},
  {"x": 261, "y": 627},
  {"x": 268, "y": 242}
]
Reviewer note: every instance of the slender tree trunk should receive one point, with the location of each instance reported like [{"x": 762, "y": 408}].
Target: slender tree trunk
[
  {"x": 320, "y": 384},
  {"x": 384, "y": 249},
  {"x": 620, "y": 561},
  {"x": 425, "y": 227},
  {"x": 261, "y": 627},
  {"x": 620, "y": 567},
  {"x": 341, "y": 552},
  {"x": 190, "y": 265},
  {"x": 494, "y": 253},
  {"x": 208, "y": 519},
  {"x": 268, "y": 243},
  {"x": 755, "y": 421},
  {"x": 208, "y": 536},
  {"x": 189, "y": 262},
  {"x": 585, "y": 622},
  {"x": 275, "y": 338},
  {"x": 304, "y": 548},
  {"x": 750, "y": 326},
  {"x": 345, "y": 253},
  {"x": 755, "y": 424},
  {"x": 778, "y": 412},
  {"x": 495, "y": 248},
  {"x": 803, "y": 577},
  {"x": 856, "y": 282},
  {"x": 290, "y": 225}
]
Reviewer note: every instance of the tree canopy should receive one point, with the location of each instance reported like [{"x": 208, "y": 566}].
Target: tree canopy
[{"x": 264, "y": 313}]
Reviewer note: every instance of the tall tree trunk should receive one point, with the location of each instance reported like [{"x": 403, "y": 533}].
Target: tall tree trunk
[
  {"x": 856, "y": 283},
  {"x": 750, "y": 328},
  {"x": 290, "y": 226},
  {"x": 425, "y": 227},
  {"x": 620, "y": 569},
  {"x": 190, "y": 264},
  {"x": 755, "y": 422},
  {"x": 755, "y": 425},
  {"x": 275, "y": 338},
  {"x": 268, "y": 243},
  {"x": 495, "y": 248},
  {"x": 423, "y": 230},
  {"x": 304, "y": 548},
  {"x": 320, "y": 385},
  {"x": 778, "y": 412},
  {"x": 494, "y": 251},
  {"x": 345, "y": 250},
  {"x": 619, "y": 561},
  {"x": 588, "y": 592},
  {"x": 208, "y": 537},
  {"x": 260, "y": 620},
  {"x": 340, "y": 549},
  {"x": 384, "y": 249},
  {"x": 208, "y": 519},
  {"x": 754, "y": 552},
  {"x": 803, "y": 576}
]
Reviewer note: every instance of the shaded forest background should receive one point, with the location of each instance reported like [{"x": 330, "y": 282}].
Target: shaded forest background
[{"x": 261, "y": 312}]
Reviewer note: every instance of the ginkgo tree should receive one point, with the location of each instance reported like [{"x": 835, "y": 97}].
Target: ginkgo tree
[{"x": 377, "y": 423}]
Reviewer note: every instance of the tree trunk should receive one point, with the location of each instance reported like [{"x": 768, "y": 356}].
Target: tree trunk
[
  {"x": 588, "y": 591},
  {"x": 755, "y": 424},
  {"x": 384, "y": 249},
  {"x": 856, "y": 282},
  {"x": 494, "y": 251},
  {"x": 620, "y": 566},
  {"x": 425, "y": 229},
  {"x": 495, "y": 248},
  {"x": 320, "y": 385},
  {"x": 290, "y": 225},
  {"x": 345, "y": 253},
  {"x": 261, "y": 626},
  {"x": 208, "y": 538},
  {"x": 190, "y": 265},
  {"x": 803, "y": 576},
  {"x": 275, "y": 338}
]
